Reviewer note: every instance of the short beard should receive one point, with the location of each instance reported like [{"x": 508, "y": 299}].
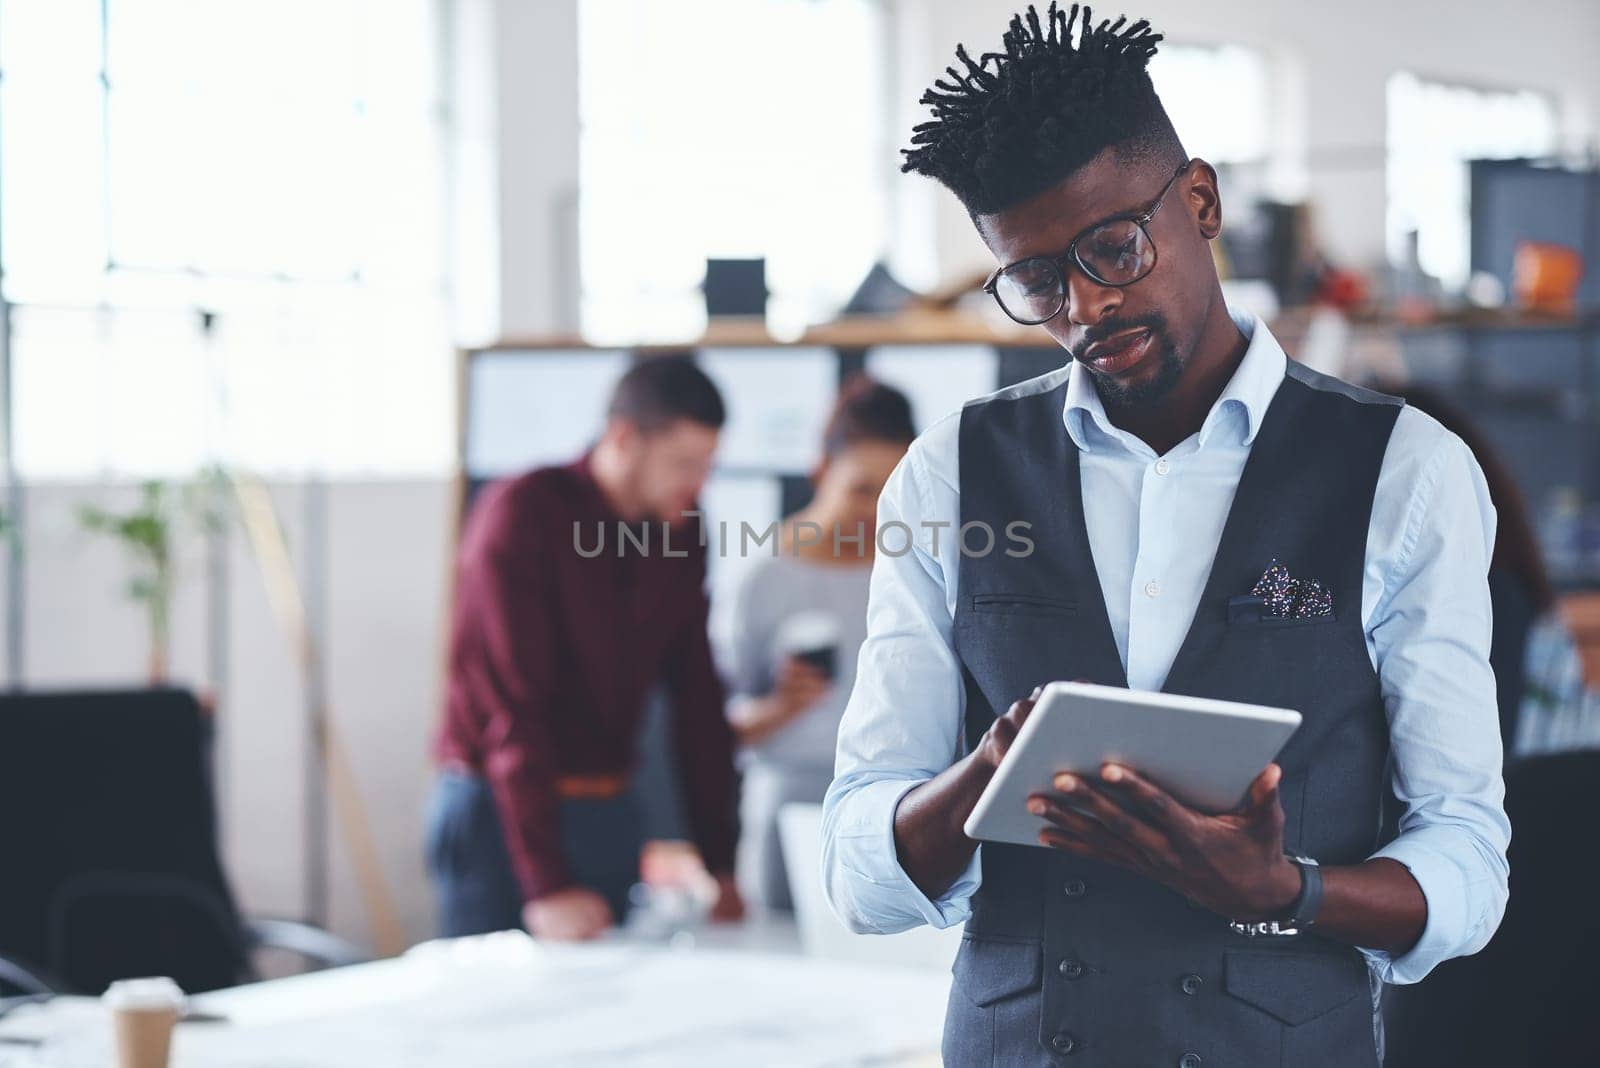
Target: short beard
[{"x": 1169, "y": 369}]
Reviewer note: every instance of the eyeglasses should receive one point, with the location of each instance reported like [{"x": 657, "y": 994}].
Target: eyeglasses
[{"x": 1117, "y": 252}]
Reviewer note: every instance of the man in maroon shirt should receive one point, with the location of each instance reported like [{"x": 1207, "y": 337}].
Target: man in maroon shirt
[{"x": 579, "y": 589}]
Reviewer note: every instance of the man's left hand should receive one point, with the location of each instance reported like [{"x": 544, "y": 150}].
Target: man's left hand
[{"x": 1232, "y": 864}]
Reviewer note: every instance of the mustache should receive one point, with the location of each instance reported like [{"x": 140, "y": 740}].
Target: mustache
[{"x": 1154, "y": 322}]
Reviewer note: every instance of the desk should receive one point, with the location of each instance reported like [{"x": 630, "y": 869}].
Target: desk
[{"x": 504, "y": 1000}]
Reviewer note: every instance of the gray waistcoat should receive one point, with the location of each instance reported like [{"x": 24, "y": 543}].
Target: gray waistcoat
[{"x": 1066, "y": 961}]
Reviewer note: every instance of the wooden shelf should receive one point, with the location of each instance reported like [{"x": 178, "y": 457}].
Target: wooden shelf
[
  {"x": 964, "y": 328},
  {"x": 921, "y": 328},
  {"x": 1485, "y": 319}
]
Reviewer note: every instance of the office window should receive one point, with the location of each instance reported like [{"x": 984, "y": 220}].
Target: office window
[
  {"x": 1218, "y": 100},
  {"x": 712, "y": 130},
  {"x": 1433, "y": 130},
  {"x": 229, "y": 249}
]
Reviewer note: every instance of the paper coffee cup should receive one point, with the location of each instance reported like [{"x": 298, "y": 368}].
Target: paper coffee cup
[
  {"x": 812, "y": 637},
  {"x": 143, "y": 1012}
]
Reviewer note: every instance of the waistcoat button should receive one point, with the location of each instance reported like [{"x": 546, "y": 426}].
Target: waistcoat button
[
  {"x": 1063, "y": 1042},
  {"x": 1190, "y": 983},
  {"x": 1070, "y": 969},
  {"x": 1074, "y": 888},
  {"x": 1189, "y": 1060}
]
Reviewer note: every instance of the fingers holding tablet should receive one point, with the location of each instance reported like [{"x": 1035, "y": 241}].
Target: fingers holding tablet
[
  {"x": 1264, "y": 788},
  {"x": 1084, "y": 811},
  {"x": 1226, "y": 862},
  {"x": 1141, "y": 795},
  {"x": 997, "y": 742},
  {"x": 1204, "y": 754},
  {"x": 1182, "y": 790},
  {"x": 1262, "y": 809}
]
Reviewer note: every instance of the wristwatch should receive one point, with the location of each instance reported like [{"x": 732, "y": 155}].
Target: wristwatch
[{"x": 1303, "y": 910}]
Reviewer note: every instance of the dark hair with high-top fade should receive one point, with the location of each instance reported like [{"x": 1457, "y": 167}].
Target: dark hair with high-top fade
[{"x": 1013, "y": 123}]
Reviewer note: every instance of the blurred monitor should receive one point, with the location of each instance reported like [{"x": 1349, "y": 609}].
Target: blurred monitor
[
  {"x": 778, "y": 401},
  {"x": 736, "y": 287},
  {"x": 529, "y": 407},
  {"x": 937, "y": 379}
]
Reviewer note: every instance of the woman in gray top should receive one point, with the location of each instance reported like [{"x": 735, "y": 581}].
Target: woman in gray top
[{"x": 798, "y": 622}]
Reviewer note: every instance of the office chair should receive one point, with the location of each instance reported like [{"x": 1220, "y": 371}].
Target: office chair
[
  {"x": 1529, "y": 997},
  {"x": 19, "y": 987},
  {"x": 109, "y": 848}
]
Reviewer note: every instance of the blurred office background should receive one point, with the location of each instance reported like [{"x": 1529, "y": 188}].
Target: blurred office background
[{"x": 351, "y": 252}]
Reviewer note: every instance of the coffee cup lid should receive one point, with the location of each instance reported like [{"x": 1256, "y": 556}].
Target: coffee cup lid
[
  {"x": 152, "y": 992},
  {"x": 807, "y": 630}
]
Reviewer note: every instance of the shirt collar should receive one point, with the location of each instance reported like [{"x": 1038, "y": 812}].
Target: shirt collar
[
  {"x": 1248, "y": 392},
  {"x": 583, "y": 467}
]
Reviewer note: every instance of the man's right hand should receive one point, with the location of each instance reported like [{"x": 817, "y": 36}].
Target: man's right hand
[
  {"x": 928, "y": 835},
  {"x": 1003, "y": 731},
  {"x": 575, "y": 914}
]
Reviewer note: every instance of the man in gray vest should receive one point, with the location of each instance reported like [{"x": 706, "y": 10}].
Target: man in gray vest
[{"x": 1204, "y": 517}]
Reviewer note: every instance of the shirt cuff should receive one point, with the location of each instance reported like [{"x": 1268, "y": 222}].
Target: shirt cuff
[
  {"x": 950, "y": 908},
  {"x": 1444, "y": 932}
]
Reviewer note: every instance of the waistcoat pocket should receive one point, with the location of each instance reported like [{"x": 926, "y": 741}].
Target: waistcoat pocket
[
  {"x": 988, "y": 969},
  {"x": 1294, "y": 987},
  {"x": 1031, "y": 604},
  {"x": 1273, "y": 622}
]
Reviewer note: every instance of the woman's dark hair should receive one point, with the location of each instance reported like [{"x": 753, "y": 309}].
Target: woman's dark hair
[
  {"x": 1015, "y": 122},
  {"x": 659, "y": 390},
  {"x": 867, "y": 410},
  {"x": 1516, "y": 550}
]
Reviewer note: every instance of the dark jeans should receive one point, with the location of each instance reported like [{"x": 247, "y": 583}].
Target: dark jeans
[{"x": 471, "y": 868}]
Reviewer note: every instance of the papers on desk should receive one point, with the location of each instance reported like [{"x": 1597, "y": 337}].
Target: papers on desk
[{"x": 503, "y": 1000}]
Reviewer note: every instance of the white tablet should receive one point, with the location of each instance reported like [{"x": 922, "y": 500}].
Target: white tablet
[{"x": 1204, "y": 753}]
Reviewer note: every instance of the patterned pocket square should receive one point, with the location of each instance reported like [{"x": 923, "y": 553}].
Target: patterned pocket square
[{"x": 1285, "y": 597}]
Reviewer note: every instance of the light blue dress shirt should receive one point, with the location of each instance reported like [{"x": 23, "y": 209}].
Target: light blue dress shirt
[{"x": 1154, "y": 523}]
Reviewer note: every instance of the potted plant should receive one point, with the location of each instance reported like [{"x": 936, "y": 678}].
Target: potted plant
[{"x": 149, "y": 533}]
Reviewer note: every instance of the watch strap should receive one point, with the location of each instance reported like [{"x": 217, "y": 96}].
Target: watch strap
[{"x": 1303, "y": 910}]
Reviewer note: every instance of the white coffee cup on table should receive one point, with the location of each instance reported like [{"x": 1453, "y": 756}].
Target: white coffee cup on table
[{"x": 143, "y": 1013}]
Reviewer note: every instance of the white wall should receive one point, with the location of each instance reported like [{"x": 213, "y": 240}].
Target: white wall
[
  {"x": 512, "y": 71},
  {"x": 536, "y": 81}
]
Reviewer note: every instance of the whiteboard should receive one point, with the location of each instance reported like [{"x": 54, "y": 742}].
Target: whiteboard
[
  {"x": 938, "y": 379},
  {"x": 533, "y": 407},
  {"x": 778, "y": 403}
]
